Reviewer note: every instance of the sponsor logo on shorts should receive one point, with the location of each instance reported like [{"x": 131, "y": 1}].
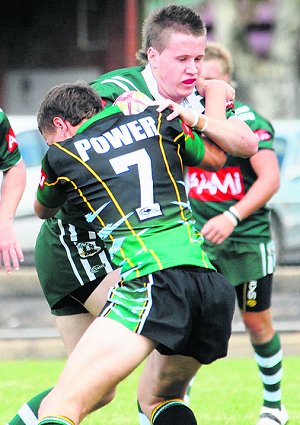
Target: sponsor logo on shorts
[
  {"x": 97, "y": 268},
  {"x": 251, "y": 293},
  {"x": 87, "y": 249}
]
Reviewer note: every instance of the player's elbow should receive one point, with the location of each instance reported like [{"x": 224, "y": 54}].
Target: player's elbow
[
  {"x": 246, "y": 148},
  {"x": 43, "y": 212},
  {"x": 251, "y": 145},
  {"x": 246, "y": 143},
  {"x": 215, "y": 162}
]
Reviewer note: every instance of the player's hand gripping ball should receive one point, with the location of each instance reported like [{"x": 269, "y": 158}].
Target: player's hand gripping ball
[{"x": 132, "y": 102}]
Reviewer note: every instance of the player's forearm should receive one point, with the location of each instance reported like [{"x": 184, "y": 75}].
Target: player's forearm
[
  {"x": 233, "y": 136},
  {"x": 12, "y": 188},
  {"x": 257, "y": 196},
  {"x": 214, "y": 157}
]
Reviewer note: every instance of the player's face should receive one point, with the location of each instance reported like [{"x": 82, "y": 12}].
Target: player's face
[
  {"x": 52, "y": 137},
  {"x": 178, "y": 66},
  {"x": 212, "y": 70},
  {"x": 61, "y": 130}
]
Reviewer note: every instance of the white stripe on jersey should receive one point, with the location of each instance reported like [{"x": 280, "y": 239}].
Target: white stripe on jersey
[
  {"x": 61, "y": 238},
  {"x": 119, "y": 83},
  {"x": 118, "y": 77}
]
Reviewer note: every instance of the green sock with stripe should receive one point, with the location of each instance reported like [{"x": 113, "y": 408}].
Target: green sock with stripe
[
  {"x": 28, "y": 413},
  {"x": 269, "y": 360}
]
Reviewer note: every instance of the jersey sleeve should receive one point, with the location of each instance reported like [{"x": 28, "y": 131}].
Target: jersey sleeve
[
  {"x": 110, "y": 85},
  {"x": 194, "y": 150},
  {"x": 261, "y": 127},
  {"x": 192, "y": 145},
  {"x": 50, "y": 192},
  {"x": 9, "y": 151},
  {"x": 108, "y": 91}
]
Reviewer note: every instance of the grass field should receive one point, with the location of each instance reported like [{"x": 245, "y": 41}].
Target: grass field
[{"x": 228, "y": 392}]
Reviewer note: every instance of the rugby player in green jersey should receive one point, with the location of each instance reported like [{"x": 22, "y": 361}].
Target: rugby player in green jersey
[
  {"x": 175, "y": 27},
  {"x": 12, "y": 188},
  {"x": 125, "y": 175},
  {"x": 230, "y": 210}
]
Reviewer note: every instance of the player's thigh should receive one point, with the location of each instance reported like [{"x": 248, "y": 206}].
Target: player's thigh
[
  {"x": 71, "y": 328},
  {"x": 96, "y": 301},
  {"x": 166, "y": 377},
  {"x": 104, "y": 356}
]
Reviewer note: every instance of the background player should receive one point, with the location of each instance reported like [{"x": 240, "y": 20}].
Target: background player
[
  {"x": 12, "y": 188},
  {"x": 236, "y": 225}
]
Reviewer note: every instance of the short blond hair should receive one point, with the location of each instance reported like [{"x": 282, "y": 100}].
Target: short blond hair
[
  {"x": 158, "y": 27},
  {"x": 219, "y": 52}
]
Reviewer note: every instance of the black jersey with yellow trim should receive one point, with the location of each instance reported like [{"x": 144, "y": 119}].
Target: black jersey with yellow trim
[{"x": 125, "y": 173}]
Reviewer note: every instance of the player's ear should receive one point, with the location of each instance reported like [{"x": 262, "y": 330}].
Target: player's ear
[
  {"x": 152, "y": 55},
  {"x": 58, "y": 122}
]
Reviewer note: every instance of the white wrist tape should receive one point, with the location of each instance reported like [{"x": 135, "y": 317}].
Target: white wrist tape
[
  {"x": 205, "y": 124},
  {"x": 231, "y": 218},
  {"x": 196, "y": 114},
  {"x": 235, "y": 212}
]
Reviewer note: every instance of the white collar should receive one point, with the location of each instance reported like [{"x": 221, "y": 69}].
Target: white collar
[
  {"x": 190, "y": 102},
  {"x": 151, "y": 82}
]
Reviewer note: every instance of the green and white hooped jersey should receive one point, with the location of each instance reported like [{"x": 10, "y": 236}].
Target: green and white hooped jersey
[
  {"x": 112, "y": 84},
  {"x": 139, "y": 78},
  {"x": 9, "y": 151},
  {"x": 211, "y": 193}
]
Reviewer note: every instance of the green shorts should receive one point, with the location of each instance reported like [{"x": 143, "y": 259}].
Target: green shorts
[
  {"x": 66, "y": 258},
  {"x": 242, "y": 262},
  {"x": 187, "y": 310}
]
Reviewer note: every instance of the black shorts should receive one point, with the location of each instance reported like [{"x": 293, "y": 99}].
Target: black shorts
[
  {"x": 255, "y": 296},
  {"x": 73, "y": 303},
  {"x": 187, "y": 310}
]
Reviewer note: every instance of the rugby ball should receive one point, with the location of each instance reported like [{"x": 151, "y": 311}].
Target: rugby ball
[{"x": 132, "y": 102}]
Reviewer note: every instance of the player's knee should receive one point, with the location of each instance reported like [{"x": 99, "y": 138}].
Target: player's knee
[
  {"x": 106, "y": 399},
  {"x": 258, "y": 328}
]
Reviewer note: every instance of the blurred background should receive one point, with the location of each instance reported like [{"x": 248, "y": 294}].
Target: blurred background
[
  {"x": 44, "y": 43},
  {"x": 47, "y": 42}
]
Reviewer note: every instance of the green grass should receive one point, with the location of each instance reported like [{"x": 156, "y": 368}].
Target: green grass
[{"x": 228, "y": 392}]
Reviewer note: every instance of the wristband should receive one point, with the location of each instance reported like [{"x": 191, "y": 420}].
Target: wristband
[
  {"x": 205, "y": 124},
  {"x": 235, "y": 212},
  {"x": 231, "y": 218},
  {"x": 196, "y": 114}
]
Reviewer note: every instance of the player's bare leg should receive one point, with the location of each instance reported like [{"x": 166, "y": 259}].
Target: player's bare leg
[
  {"x": 104, "y": 356},
  {"x": 166, "y": 378}
]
